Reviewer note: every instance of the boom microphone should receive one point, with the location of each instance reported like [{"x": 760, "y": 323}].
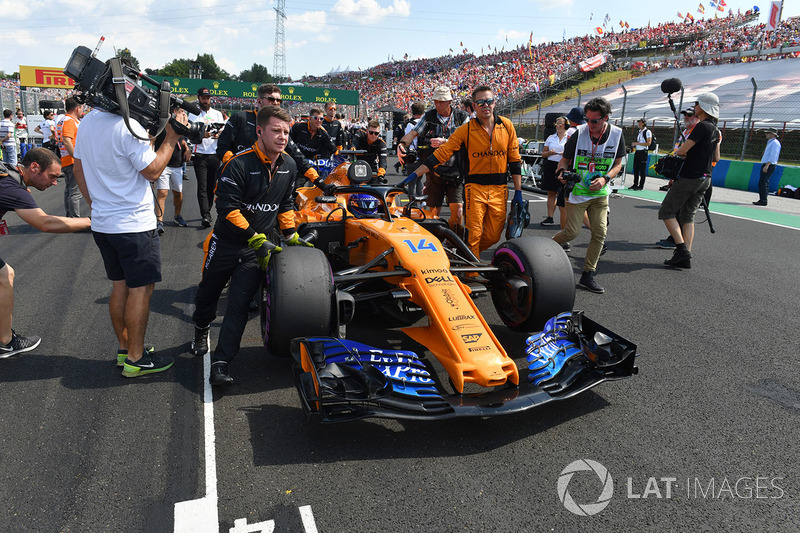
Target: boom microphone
[{"x": 671, "y": 85}]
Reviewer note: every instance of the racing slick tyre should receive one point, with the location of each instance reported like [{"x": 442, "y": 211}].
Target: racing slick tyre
[
  {"x": 536, "y": 282},
  {"x": 296, "y": 298}
]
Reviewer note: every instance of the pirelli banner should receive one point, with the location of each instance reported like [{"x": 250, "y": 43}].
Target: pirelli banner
[
  {"x": 237, "y": 89},
  {"x": 51, "y": 77}
]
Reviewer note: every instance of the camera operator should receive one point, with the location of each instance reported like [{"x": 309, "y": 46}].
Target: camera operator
[
  {"x": 114, "y": 170},
  {"x": 595, "y": 153},
  {"x": 40, "y": 169},
  {"x": 254, "y": 194},
  {"x": 206, "y": 162},
  {"x": 411, "y": 162},
  {"x": 432, "y": 131},
  {"x": 376, "y": 149},
  {"x": 694, "y": 178},
  {"x": 641, "y": 145}
]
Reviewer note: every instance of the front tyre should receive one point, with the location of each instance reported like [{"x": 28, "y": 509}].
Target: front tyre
[
  {"x": 535, "y": 282},
  {"x": 296, "y": 298}
]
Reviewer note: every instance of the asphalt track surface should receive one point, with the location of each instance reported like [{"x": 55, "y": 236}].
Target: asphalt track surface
[{"x": 716, "y": 403}]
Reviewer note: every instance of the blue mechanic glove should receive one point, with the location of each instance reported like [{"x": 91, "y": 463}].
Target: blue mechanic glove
[
  {"x": 517, "y": 197},
  {"x": 263, "y": 249},
  {"x": 295, "y": 240},
  {"x": 410, "y": 179}
]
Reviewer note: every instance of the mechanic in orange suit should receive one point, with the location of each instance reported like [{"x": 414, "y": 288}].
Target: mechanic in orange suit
[{"x": 492, "y": 151}]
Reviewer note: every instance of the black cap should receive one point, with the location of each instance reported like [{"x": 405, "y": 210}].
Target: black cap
[{"x": 203, "y": 91}]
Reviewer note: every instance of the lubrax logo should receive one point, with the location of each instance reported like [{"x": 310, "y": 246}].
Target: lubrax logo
[
  {"x": 438, "y": 279},
  {"x": 460, "y": 317},
  {"x": 435, "y": 271},
  {"x": 471, "y": 337},
  {"x": 489, "y": 153}
]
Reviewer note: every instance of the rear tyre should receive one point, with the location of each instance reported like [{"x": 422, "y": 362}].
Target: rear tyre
[
  {"x": 536, "y": 282},
  {"x": 296, "y": 298}
]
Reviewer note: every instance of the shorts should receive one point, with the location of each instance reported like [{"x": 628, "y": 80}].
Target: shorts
[
  {"x": 549, "y": 180},
  {"x": 436, "y": 186},
  {"x": 171, "y": 178},
  {"x": 683, "y": 199},
  {"x": 133, "y": 257}
]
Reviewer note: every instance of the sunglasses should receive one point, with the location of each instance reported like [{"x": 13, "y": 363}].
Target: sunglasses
[
  {"x": 374, "y": 132},
  {"x": 332, "y": 108},
  {"x": 273, "y": 99},
  {"x": 595, "y": 120},
  {"x": 484, "y": 102},
  {"x": 316, "y": 118}
]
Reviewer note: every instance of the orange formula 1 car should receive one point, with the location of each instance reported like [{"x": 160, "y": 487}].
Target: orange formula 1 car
[{"x": 370, "y": 247}]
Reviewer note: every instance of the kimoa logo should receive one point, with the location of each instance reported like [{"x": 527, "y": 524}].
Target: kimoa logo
[{"x": 586, "y": 509}]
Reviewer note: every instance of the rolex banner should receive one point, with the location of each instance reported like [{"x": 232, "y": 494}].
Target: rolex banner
[{"x": 237, "y": 89}]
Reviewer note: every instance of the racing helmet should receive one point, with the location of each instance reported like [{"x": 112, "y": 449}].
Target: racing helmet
[{"x": 362, "y": 205}]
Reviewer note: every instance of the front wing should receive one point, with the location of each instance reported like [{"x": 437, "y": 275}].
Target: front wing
[{"x": 340, "y": 380}]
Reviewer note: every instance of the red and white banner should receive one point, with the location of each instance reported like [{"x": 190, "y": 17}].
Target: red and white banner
[
  {"x": 592, "y": 63},
  {"x": 774, "y": 16}
]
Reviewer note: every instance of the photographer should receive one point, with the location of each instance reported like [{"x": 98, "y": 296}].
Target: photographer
[
  {"x": 206, "y": 162},
  {"x": 432, "y": 131},
  {"x": 411, "y": 163},
  {"x": 594, "y": 154},
  {"x": 254, "y": 194},
  {"x": 114, "y": 170},
  {"x": 40, "y": 169},
  {"x": 694, "y": 178}
]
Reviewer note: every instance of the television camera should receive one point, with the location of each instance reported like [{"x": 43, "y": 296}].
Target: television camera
[{"x": 115, "y": 86}]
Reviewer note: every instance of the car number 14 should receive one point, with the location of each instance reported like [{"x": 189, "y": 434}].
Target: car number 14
[{"x": 423, "y": 244}]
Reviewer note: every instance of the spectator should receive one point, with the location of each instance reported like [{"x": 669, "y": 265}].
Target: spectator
[
  {"x": 768, "y": 163},
  {"x": 641, "y": 146},
  {"x": 206, "y": 162},
  {"x": 552, "y": 153},
  {"x": 21, "y": 128},
  {"x": 7, "y": 139},
  {"x": 66, "y": 134}
]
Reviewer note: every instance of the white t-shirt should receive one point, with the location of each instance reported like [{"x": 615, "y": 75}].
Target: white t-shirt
[
  {"x": 47, "y": 133},
  {"x": 7, "y": 128},
  {"x": 554, "y": 144},
  {"x": 644, "y": 137},
  {"x": 209, "y": 145},
  {"x": 112, "y": 159}
]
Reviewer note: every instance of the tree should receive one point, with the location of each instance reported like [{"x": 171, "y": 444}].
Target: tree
[
  {"x": 256, "y": 74},
  {"x": 179, "y": 68},
  {"x": 211, "y": 71}
]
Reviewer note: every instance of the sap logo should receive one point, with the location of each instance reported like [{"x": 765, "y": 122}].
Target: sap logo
[
  {"x": 479, "y": 349},
  {"x": 435, "y": 271},
  {"x": 439, "y": 279},
  {"x": 459, "y": 318},
  {"x": 471, "y": 338}
]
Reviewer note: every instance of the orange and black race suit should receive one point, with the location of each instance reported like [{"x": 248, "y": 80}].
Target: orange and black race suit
[
  {"x": 252, "y": 197},
  {"x": 489, "y": 160},
  {"x": 376, "y": 156},
  {"x": 335, "y": 130},
  {"x": 240, "y": 133},
  {"x": 314, "y": 146}
]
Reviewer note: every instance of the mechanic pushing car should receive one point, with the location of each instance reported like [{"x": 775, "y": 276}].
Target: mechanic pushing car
[
  {"x": 492, "y": 150},
  {"x": 254, "y": 193}
]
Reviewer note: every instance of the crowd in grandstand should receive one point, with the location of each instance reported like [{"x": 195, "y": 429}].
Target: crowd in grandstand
[{"x": 529, "y": 68}]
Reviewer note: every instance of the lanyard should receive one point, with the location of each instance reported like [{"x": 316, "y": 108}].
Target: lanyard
[{"x": 595, "y": 144}]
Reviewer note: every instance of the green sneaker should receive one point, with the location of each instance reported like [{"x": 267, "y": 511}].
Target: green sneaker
[
  {"x": 148, "y": 364},
  {"x": 123, "y": 354}
]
